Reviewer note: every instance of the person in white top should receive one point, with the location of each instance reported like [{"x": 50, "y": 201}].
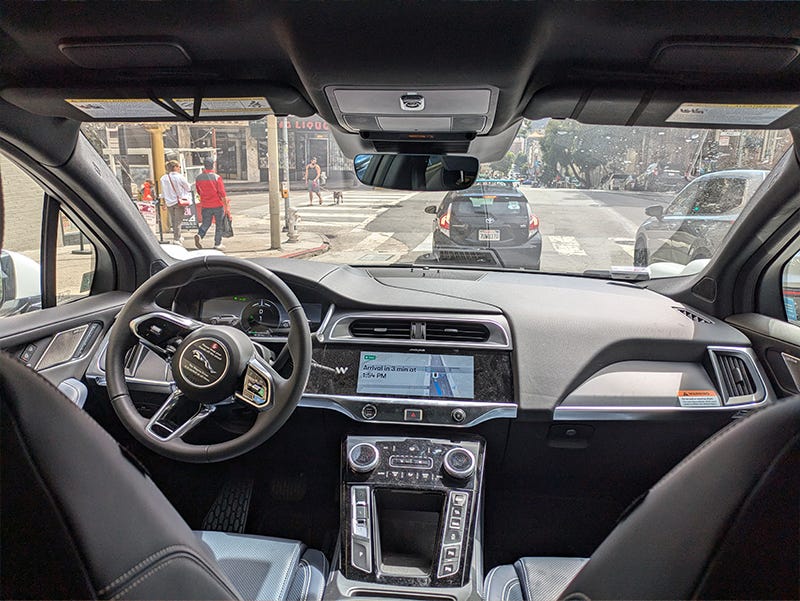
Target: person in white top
[{"x": 177, "y": 195}]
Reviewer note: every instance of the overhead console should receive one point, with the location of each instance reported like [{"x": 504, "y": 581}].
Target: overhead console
[{"x": 427, "y": 369}]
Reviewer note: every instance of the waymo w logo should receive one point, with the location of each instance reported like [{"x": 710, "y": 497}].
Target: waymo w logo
[{"x": 341, "y": 370}]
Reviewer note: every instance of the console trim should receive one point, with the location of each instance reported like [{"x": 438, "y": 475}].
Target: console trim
[{"x": 342, "y": 404}]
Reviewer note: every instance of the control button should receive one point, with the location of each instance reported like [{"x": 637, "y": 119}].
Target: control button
[
  {"x": 361, "y": 558},
  {"x": 369, "y": 411},
  {"x": 363, "y": 457},
  {"x": 360, "y": 494},
  {"x": 459, "y": 499},
  {"x": 451, "y": 552},
  {"x": 361, "y": 512},
  {"x": 27, "y": 354},
  {"x": 459, "y": 463},
  {"x": 457, "y": 512},
  {"x": 449, "y": 568},
  {"x": 412, "y": 415},
  {"x": 455, "y": 522},
  {"x": 452, "y": 536},
  {"x": 458, "y": 415}
]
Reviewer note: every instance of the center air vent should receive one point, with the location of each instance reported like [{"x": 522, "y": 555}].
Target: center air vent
[
  {"x": 456, "y": 331},
  {"x": 381, "y": 328}
]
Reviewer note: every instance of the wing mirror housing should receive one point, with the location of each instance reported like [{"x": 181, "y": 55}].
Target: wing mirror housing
[
  {"x": 421, "y": 172},
  {"x": 656, "y": 211}
]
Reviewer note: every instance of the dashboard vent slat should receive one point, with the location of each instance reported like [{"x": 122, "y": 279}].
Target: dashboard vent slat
[
  {"x": 456, "y": 332},
  {"x": 694, "y": 316},
  {"x": 381, "y": 328},
  {"x": 735, "y": 374}
]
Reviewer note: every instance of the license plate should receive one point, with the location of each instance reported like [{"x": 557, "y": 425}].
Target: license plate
[{"x": 490, "y": 235}]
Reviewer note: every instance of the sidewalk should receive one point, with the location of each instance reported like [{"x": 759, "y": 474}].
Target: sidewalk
[{"x": 251, "y": 238}]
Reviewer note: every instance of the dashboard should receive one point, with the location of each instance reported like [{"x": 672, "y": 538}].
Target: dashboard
[{"x": 455, "y": 348}]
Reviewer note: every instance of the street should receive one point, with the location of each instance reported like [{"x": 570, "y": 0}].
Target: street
[{"x": 581, "y": 229}]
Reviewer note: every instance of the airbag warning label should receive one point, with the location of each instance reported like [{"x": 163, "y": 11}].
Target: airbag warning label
[{"x": 698, "y": 398}]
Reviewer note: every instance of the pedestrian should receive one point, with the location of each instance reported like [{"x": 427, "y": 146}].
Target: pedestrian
[
  {"x": 213, "y": 204},
  {"x": 177, "y": 195},
  {"x": 147, "y": 191},
  {"x": 313, "y": 183}
]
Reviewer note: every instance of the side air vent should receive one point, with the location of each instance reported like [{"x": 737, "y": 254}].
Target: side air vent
[
  {"x": 456, "y": 331},
  {"x": 381, "y": 328},
  {"x": 737, "y": 376},
  {"x": 696, "y": 317}
]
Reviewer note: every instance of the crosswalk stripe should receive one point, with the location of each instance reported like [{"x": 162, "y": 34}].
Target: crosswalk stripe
[
  {"x": 425, "y": 246},
  {"x": 566, "y": 245},
  {"x": 307, "y": 224},
  {"x": 373, "y": 241}
]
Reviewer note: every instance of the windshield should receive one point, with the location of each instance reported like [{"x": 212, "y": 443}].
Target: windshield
[{"x": 566, "y": 197}]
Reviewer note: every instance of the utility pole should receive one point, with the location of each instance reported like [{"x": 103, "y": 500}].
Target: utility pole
[
  {"x": 159, "y": 166},
  {"x": 274, "y": 183},
  {"x": 287, "y": 204}
]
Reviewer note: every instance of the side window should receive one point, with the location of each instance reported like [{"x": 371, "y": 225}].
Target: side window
[
  {"x": 20, "y": 258},
  {"x": 23, "y": 200},
  {"x": 791, "y": 290},
  {"x": 683, "y": 201},
  {"x": 75, "y": 262}
]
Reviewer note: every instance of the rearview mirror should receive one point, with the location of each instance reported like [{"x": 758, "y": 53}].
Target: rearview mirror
[
  {"x": 423, "y": 172},
  {"x": 656, "y": 211},
  {"x": 430, "y": 210}
]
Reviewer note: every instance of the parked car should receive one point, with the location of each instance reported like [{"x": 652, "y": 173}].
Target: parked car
[
  {"x": 695, "y": 222},
  {"x": 658, "y": 179},
  {"x": 489, "y": 223},
  {"x": 616, "y": 181}
]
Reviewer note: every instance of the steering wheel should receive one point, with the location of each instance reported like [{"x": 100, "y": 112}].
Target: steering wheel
[{"x": 210, "y": 364}]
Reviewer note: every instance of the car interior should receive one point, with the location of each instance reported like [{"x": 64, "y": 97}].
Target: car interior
[{"x": 575, "y": 436}]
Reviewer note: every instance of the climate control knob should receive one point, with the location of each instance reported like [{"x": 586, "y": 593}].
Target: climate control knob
[
  {"x": 363, "y": 457},
  {"x": 459, "y": 463}
]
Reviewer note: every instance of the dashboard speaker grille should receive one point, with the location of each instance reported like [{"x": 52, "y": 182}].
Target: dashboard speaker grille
[
  {"x": 696, "y": 317},
  {"x": 456, "y": 332},
  {"x": 381, "y": 328}
]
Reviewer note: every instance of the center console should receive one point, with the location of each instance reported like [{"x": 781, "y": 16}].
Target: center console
[{"x": 410, "y": 510}]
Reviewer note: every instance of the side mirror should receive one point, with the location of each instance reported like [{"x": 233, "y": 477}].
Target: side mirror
[
  {"x": 431, "y": 210},
  {"x": 423, "y": 172},
  {"x": 656, "y": 211}
]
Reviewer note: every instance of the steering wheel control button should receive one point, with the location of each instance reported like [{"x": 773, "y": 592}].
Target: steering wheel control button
[
  {"x": 203, "y": 362},
  {"x": 369, "y": 411},
  {"x": 459, "y": 463},
  {"x": 458, "y": 415},
  {"x": 256, "y": 390},
  {"x": 363, "y": 457},
  {"x": 412, "y": 415}
]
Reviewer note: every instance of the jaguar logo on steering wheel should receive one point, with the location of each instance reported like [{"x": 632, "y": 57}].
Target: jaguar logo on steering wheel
[{"x": 204, "y": 360}]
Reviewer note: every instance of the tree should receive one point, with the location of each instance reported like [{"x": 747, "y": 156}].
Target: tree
[
  {"x": 504, "y": 164},
  {"x": 521, "y": 163}
]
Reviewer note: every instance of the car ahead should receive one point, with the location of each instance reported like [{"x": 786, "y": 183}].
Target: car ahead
[
  {"x": 658, "y": 179},
  {"x": 694, "y": 224},
  {"x": 489, "y": 223}
]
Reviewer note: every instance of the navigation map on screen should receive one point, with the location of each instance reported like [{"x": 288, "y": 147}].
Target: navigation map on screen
[{"x": 420, "y": 375}]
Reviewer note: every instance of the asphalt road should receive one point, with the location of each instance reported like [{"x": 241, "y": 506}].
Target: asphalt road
[{"x": 581, "y": 229}]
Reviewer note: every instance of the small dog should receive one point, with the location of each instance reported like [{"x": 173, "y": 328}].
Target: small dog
[{"x": 338, "y": 197}]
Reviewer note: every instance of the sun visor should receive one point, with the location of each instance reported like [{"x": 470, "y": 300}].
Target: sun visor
[
  {"x": 220, "y": 102},
  {"x": 660, "y": 107}
]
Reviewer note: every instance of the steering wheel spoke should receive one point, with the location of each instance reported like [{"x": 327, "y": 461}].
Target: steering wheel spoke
[
  {"x": 262, "y": 386},
  {"x": 162, "y": 330},
  {"x": 176, "y": 417}
]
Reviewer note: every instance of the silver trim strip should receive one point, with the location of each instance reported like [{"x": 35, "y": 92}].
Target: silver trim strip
[
  {"x": 762, "y": 397},
  {"x": 335, "y": 403},
  {"x": 203, "y": 411},
  {"x": 499, "y": 331}
]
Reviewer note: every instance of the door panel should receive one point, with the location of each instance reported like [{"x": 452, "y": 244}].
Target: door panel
[
  {"x": 772, "y": 340},
  {"x": 60, "y": 341}
]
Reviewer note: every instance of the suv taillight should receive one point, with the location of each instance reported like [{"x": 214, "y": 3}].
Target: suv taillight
[
  {"x": 533, "y": 223},
  {"x": 444, "y": 222}
]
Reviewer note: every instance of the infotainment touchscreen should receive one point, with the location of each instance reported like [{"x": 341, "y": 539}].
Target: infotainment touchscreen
[{"x": 416, "y": 375}]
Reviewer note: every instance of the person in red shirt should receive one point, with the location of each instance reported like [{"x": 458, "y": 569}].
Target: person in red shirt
[{"x": 213, "y": 204}]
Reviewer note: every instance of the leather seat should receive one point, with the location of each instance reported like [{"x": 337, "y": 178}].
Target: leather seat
[
  {"x": 723, "y": 524},
  {"x": 81, "y": 519}
]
